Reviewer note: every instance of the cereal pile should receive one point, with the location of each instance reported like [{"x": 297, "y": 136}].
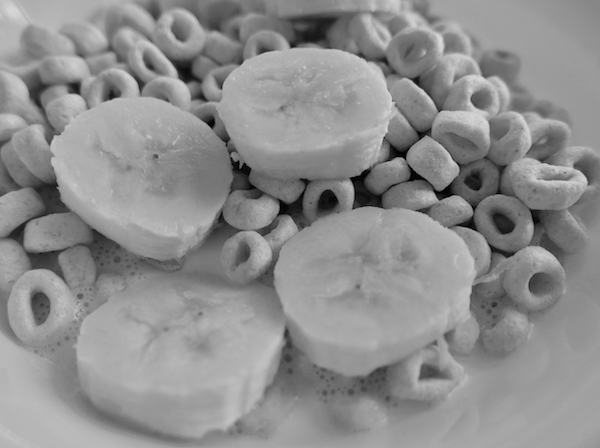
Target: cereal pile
[{"x": 467, "y": 144}]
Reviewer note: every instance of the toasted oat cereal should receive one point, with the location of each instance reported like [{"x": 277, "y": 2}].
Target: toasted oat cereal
[
  {"x": 387, "y": 174},
  {"x": 56, "y": 231},
  {"x": 413, "y": 194},
  {"x": 512, "y": 331},
  {"x": 432, "y": 162},
  {"x": 250, "y": 209},
  {"x": 246, "y": 256},
  {"x": 17, "y": 207},
  {"x": 77, "y": 266},
  {"x": 14, "y": 262},
  {"x": 478, "y": 247},
  {"x": 324, "y": 197}
]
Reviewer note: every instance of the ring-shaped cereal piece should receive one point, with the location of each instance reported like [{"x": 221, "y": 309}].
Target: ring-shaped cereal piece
[
  {"x": 502, "y": 63},
  {"x": 52, "y": 92},
  {"x": 111, "y": 83},
  {"x": 254, "y": 22},
  {"x": 16, "y": 169},
  {"x": 548, "y": 187},
  {"x": 9, "y": 125},
  {"x": 473, "y": 93},
  {"x": 476, "y": 181},
  {"x": 432, "y": 162},
  {"x": 338, "y": 36},
  {"x": 64, "y": 109},
  {"x": 565, "y": 229},
  {"x": 491, "y": 288},
  {"x": 503, "y": 92},
  {"x": 456, "y": 40},
  {"x": 100, "y": 62},
  {"x": 451, "y": 211},
  {"x": 38, "y": 42},
  {"x": 279, "y": 232},
  {"x": 89, "y": 40},
  {"x": 17, "y": 207},
  {"x": 222, "y": 49},
  {"x": 505, "y": 222},
  {"x": 201, "y": 66},
  {"x": 250, "y": 209},
  {"x": 508, "y": 172},
  {"x": 231, "y": 27},
  {"x": 324, "y": 197},
  {"x": 400, "y": 134},
  {"x": 438, "y": 80},
  {"x": 478, "y": 247},
  {"x": 129, "y": 15},
  {"x": 406, "y": 381},
  {"x": 387, "y": 174},
  {"x": 370, "y": 34},
  {"x": 212, "y": 85},
  {"x": 547, "y": 136},
  {"x": 33, "y": 148},
  {"x": 246, "y": 256},
  {"x": 172, "y": 90},
  {"x": 147, "y": 62},
  {"x": 584, "y": 159},
  {"x": 510, "y": 138},
  {"x": 208, "y": 113},
  {"x": 511, "y": 332},
  {"x": 123, "y": 41},
  {"x": 534, "y": 278},
  {"x": 14, "y": 262},
  {"x": 286, "y": 190},
  {"x": 263, "y": 41},
  {"x": 179, "y": 35},
  {"x": 413, "y": 195},
  {"x": 463, "y": 337},
  {"x": 466, "y": 135},
  {"x": 63, "y": 70},
  {"x": 414, "y": 103},
  {"x": 20, "y": 314},
  {"x": 413, "y": 51}
]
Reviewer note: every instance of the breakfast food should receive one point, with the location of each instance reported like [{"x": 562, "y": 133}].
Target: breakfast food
[{"x": 404, "y": 201}]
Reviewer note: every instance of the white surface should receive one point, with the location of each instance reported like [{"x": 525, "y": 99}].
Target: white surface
[{"x": 546, "y": 395}]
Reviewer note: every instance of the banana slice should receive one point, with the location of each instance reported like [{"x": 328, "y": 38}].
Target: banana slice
[
  {"x": 306, "y": 113},
  {"x": 181, "y": 355},
  {"x": 295, "y": 9},
  {"x": 145, "y": 174},
  {"x": 365, "y": 288}
]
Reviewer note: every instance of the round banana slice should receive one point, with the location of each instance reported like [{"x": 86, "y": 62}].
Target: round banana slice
[
  {"x": 294, "y": 9},
  {"x": 181, "y": 355},
  {"x": 365, "y": 288},
  {"x": 306, "y": 113},
  {"x": 145, "y": 174}
]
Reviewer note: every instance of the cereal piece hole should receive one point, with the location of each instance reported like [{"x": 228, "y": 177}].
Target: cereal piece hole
[
  {"x": 243, "y": 253},
  {"x": 473, "y": 181},
  {"x": 503, "y": 224},
  {"x": 328, "y": 201},
  {"x": 40, "y": 306},
  {"x": 460, "y": 142},
  {"x": 482, "y": 99},
  {"x": 541, "y": 284}
]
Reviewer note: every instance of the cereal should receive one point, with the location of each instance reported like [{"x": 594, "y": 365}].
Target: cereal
[
  {"x": 476, "y": 181},
  {"x": 534, "y": 279},
  {"x": 463, "y": 337},
  {"x": 14, "y": 262},
  {"x": 324, "y": 197},
  {"x": 387, "y": 174},
  {"x": 413, "y": 51},
  {"x": 100, "y": 62},
  {"x": 214, "y": 13},
  {"x": 506, "y": 178},
  {"x": 432, "y": 162},
  {"x": 478, "y": 247},
  {"x": 466, "y": 135},
  {"x": 405, "y": 379},
  {"x": 17, "y": 169},
  {"x": 246, "y": 256},
  {"x": 89, "y": 40},
  {"x": 6, "y": 181},
  {"x": 56, "y": 231},
  {"x": 286, "y": 190},
  {"x": 9, "y": 125},
  {"x": 456, "y": 40},
  {"x": 401, "y": 134},
  {"x": 63, "y": 110},
  {"x": 20, "y": 314},
  {"x": 503, "y": 92},
  {"x": 451, "y": 211},
  {"x": 147, "y": 62},
  {"x": 371, "y": 36},
  {"x": 128, "y": 15},
  {"x": 13, "y": 93},
  {"x": 173, "y": 90},
  {"x": 32, "y": 147},
  {"x": 108, "y": 284},
  {"x": 512, "y": 331},
  {"x": 406, "y": 19},
  {"x": 438, "y": 80},
  {"x": 492, "y": 288},
  {"x": 208, "y": 113},
  {"x": 279, "y": 232},
  {"x": 548, "y": 187},
  {"x": 38, "y": 42},
  {"x": 510, "y": 138},
  {"x": 358, "y": 413},
  {"x": 77, "y": 266},
  {"x": 584, "y": 159},
  {"x": 413, "y": 195},
  {"x": 202, "y": 65},
  {"x": 63, "y": 70},
  {"x": 473, "y": 93},
  {"x": 414, "y": 103},
  {"x": 124, "y": 40},
  {"x": 109, "y": 84},
  {"x": 502, "y": 63},
  {"x": 565, "y": 229},
  {"x": 338, "y": 36},
  {"x": 179, "y": 35},
  {"x": 250, "y": 209},
  {"x": 52, "y": 92},
  {"x": 253, "y": 23},
  {"x": 262, "y": 41},
  {"x": 212, "y": 84},
  {"x": 547, "y": 136},
  {"x": 222, "y": 49},
  {"x": 505, "y": 222}
]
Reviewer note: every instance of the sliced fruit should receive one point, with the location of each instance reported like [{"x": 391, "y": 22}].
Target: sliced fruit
[
  {"x": 181, "y": 355},
  {"x": 365, "y": 288},
  {"x": 145, "y": 174},
  {"x": 306, "y": 113},
  {"x": 294, "y": 9}
]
